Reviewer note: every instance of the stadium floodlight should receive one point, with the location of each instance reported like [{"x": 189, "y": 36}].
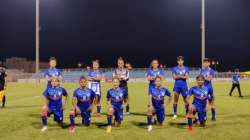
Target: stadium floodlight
[
  {"x": 203, "y": 31},
  {"x": 37, "y": 35}
]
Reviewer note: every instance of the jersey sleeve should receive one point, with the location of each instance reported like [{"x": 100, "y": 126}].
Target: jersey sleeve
[
  {"x": 108, "y": 95},
  {"x": 45, "y": 73},
  {"x": 148, "y": 73},
  {"x": 212, "y": 73},
  {"x": 187, "y": 70},
  {"x": 173, "y": 71},
  {"x": 59, "y": 72},
  {"x": 64, "y": 92},
  {"x": 125, "y": 93},
  {"x": 74, "y": 94},
  {"x": 190, "y": 92},
  {"x": 162, "y": 73},
  {"x": 167, "y": 93},
  {"x": 45, "y": 93}
]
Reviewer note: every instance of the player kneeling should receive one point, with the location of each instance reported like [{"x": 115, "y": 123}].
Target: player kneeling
[
  {"x": 83, "y": 102},
  {"x": 156, "y": 103},
  {"x": 201, "y": 94},
  {"x": 116, "y": 97},
  {"x": 53, "y": 103}
]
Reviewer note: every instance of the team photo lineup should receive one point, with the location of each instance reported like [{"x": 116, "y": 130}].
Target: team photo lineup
[
  {"x": 88, "y": 95},
  {"x": 124, "y": 70}
]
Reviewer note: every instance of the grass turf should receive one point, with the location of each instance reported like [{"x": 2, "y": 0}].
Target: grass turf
[{"x": 21, "y": 118}]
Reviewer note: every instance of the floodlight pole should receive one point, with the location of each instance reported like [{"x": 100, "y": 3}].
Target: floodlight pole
[
  {"x": 203, "y": 31},
  {"x": 37, "y": 34}
]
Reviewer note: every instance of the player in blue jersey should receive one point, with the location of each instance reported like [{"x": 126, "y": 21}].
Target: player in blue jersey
[
  {"x": 117, "y": 98},
  {"x": 209, "y": 74},
  {"x": 52, "y": 71},
  {"x": 236, "y": 82},
  {"x": 83, "y": 103},
  {"x": 123, "y": 74},
  {"x": 95, "y": 76},
  {"x": 200, "y": 94},
  {"x": 153, "y": 72},
  {"x": 180, "y": 75},
  {"x": 54, "y": 104},
  {"x": 156, "y": 103}
]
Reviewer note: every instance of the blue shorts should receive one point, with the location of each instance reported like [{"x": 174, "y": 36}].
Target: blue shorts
[
  {"x": 160, "y": 114},
  {"x": 58, "y": 114},
  {"x": 85, "y": 114},
  {"x": 210, "y": 88},
  {"x": 183, "y": 90},
  {"x": 202, "y": 114},
  {"x": 118, "y": 113}
]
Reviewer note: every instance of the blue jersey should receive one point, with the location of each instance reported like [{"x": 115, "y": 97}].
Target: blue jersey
[
  {"x": 52, "y": 72},
  {"x": 201, "y": 95},
  {"x": 95, "y": 74},
  {"x": 154, "y": 73},
  {"x": 158, "y": 95},
  {"x": 54, "y": 95},
  {"x": 117, "y": 96},
  {"x": 207, "y": 72},
  {"x": 85, "y": 98},
  {"x": 236, "y": 78},
  {"x": 180, "y": 71}
]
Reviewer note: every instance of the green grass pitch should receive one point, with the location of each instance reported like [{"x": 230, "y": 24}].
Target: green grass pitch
[{"x": 21, "y": 119}]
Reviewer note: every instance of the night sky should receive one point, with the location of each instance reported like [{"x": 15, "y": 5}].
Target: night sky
[{"x": 139, "y": 30}]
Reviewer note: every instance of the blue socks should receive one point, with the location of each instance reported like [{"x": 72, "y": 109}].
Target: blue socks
[
  {"x": 109, "y": 119},
  {"x": 98, "y": 109},
  {"x": 44, "y": 120},
  {"x": 149, "y": 119},
  {"x": 213, "y": 113},
  {"x": 72, "y": 120},
  {"x": 190, "y": 122},
  {"x": 175, "y": 109}
]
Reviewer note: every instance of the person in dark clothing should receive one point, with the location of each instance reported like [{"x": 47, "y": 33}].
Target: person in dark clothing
[
  {"x": 3, "y": 84},
  {"x": 236, "y": 82}
]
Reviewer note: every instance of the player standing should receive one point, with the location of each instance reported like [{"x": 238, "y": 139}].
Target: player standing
[
  {"x": 156, "y": 103},
  {"x": 236, "y": 82},
  {"x": 180, "y": 75},
  {"x": 3, "y": 84},
  {"x": 83, "y": 102},
  {"x": 94, "y": 76},
  {"x": 153, "y": 72},
  {"x": 201, "y": 94},
  {"x": 52, "y": 71},
  {"x": 54, "y": 103},
  {"x": 123, "y": 74},
  {"x": 209, "y": 74},
  {"x": 116, "y": 97}
]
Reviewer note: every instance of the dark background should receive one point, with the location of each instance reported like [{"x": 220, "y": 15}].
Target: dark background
[{"x": 139, "y": 30}]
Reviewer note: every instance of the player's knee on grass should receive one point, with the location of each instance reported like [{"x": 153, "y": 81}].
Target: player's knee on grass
[{"x": 150, "y": 111}]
